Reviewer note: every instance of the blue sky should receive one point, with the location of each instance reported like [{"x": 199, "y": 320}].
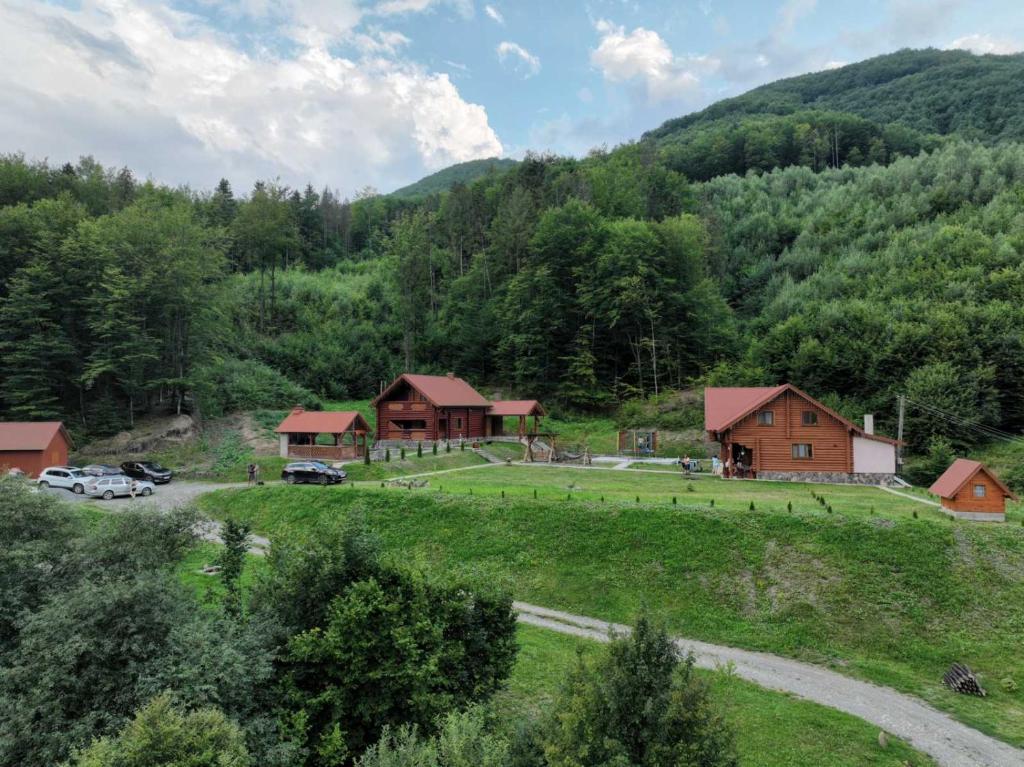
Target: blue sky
[{"x": 357, "y": 93}]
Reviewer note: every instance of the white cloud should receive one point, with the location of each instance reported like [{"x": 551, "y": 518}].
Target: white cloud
[
  {"x": 518, "y": 57},
  {"x": 160, "y": 91},
  {"x": 494, "y": 14},
  {"x": 394, "y": 7},
  {"x": 380, "y": 42},
  {"x": 643, "y": 56},
  {"x": 983, "y": 43}
]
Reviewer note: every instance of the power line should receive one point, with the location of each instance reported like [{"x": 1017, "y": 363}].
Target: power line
[{"x": 964, "y": 423}]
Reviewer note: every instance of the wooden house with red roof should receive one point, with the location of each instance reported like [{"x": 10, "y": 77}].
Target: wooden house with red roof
[
  {"x": 32, "y": 446},
  {"x": 346, "y": 431},
  {"x": 780, "y": 432},
  {"x": 969, "y": 490},
  {"x": 429, "y": 408}
]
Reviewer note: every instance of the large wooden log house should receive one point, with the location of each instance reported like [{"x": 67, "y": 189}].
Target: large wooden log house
[
  {"x": 428, "y": 408},
  {"x": 780, "y": 432}
]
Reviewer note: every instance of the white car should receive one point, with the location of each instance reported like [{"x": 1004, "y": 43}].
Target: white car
[
  {"x": 69, "y": 477},
  {"x": 111, "y": 487}
]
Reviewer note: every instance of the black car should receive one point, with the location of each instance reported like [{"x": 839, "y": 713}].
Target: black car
[
  {"x": 312, "y": 471},
  {"x": 154, "y": 472}
]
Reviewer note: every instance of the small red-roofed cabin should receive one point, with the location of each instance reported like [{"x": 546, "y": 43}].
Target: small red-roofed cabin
[
  {"x": 423, "y": 408},
  {"x": 780, "y": 432},
  {"x": 518, "y": 408},
  {"x": 32, "y": 446},
  {"x": 969, "y": 490},
  {"x": 347, "y": 431}
]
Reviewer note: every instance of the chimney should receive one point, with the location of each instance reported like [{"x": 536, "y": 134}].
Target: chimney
[
  {"x": 451, "y": 375},
  {"x": 298, "y": 409},
  {"x": 869, "y": 423}
]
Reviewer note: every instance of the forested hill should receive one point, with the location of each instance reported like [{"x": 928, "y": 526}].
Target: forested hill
[
  {"x": 856, "y": 276},
  {"x": 461, "y": 173},
  {"x": 928, "y": 91}
]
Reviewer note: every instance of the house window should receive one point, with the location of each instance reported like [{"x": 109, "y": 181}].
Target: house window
[
  {"x": 803, "y": 451},
  {"x": 809, "y": 418},
  {"x": 766, "y": 418},
  {"x": 979, "y": 491},
  {"x": 458, "y": 422}
]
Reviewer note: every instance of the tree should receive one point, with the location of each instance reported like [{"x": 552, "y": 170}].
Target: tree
[
  {"x": 235, "y": 537},
  {"x": 367, "y": 644},
  {"x": 462, "y": 740},
  {"x": 32, "y": 344},
  {"x": 161, "y": 735},
  {"x": 638, "y": 704}
]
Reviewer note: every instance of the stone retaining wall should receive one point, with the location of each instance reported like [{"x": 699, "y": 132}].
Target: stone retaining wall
[{"x": 829, "y": 477}]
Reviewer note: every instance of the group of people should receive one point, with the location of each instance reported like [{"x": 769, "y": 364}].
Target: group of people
[{"x": 739, "y": 469}]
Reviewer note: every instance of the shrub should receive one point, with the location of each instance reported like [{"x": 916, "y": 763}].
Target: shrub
[
  {"x": 637, "y": 704},
  {"x": 387, "y": 455},
  {"x": 419, "y": 449},
  {"x": 435, "y": 448},
  {"x": 162, "y": 735}
]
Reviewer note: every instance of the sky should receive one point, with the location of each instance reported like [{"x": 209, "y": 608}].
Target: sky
[{"x": 352, "y": 94}]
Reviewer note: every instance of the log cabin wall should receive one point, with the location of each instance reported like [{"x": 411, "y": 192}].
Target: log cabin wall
[{"x": 831, "y": 441}]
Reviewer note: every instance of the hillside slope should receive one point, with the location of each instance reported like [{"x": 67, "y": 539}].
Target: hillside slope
[
  {"x": 930, "y": 91},
  {"x": 463, "y": 172}
]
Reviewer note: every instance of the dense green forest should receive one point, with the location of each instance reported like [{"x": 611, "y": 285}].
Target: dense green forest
[{"x": 791, "y": 234}]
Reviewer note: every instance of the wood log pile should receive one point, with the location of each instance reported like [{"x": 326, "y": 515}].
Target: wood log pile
[{"x": 960, "y": 679}]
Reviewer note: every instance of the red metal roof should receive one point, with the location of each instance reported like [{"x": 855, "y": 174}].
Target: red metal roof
[
  {"x": 30, "y": 435},
  {"x": 958, "y": 474},
  {"x": 301, "y": 421},
  {"x": 441, "y": 391},
  {"x": 513, "y": 407},
  {"x": 725, "y": 405}
]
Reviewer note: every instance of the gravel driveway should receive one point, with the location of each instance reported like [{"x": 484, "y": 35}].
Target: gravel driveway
[
  {"x": 165, "y": 497},
  {"x": 946, "y": 740}
]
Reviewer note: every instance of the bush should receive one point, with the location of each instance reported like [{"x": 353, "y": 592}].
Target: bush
[
  {"x": 162, "y": 736},
  {"x": 231, "y": 385},
  {"x": 638, "y": 704},
  {"x": 925, "y": 469},
  {"x": 462, "y": 741}
]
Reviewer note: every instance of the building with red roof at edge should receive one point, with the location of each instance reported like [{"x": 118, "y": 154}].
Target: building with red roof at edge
[
  {"x": 781, "y": 432},
  {"x": 33, "y": 445},
  {"x": 969, "y": 490}
]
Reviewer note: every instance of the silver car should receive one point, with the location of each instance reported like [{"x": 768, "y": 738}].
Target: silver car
[
  {"x": 69, "y": 477},
  {"x": 112, "y": 487}
]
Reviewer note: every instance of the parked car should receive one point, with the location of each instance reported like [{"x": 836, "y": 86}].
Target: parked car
[
  {"x": 102, "y": 470},
  {"x": 147, "y": 470},
  {"x": 312, "y": 471},
  {"x": 69, "y": 477},
  {"x": 111, "y": 487}
]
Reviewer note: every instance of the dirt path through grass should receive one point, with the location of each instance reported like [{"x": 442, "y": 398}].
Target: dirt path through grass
[{"x": 946, "y": 740}]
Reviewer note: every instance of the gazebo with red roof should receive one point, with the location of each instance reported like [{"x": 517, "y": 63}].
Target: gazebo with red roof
[
  {"x": 299, "y": 431},
  {"x": 969, "y": 490},
  {"x": 514, "y": 408}
]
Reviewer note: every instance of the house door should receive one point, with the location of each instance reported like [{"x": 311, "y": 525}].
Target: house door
[
  {"x": 442, "y": 429},
  {"x": 742, "y": 460}
]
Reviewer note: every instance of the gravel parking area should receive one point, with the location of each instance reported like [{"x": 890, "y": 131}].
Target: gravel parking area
[{"x": 165, "y": 497}]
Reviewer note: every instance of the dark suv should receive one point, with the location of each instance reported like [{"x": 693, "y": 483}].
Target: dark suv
[
  {"x": 154, "y": 472},
  {"x": 312, "y": 471}
]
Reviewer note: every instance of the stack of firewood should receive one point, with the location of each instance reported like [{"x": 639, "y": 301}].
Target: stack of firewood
[{"x": 960, "y": 679}]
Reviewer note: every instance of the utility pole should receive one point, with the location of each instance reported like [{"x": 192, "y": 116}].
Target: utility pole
[{"x": 901, "y": 402}]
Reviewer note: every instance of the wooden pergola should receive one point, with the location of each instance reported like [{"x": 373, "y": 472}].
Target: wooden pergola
[
  {"x": 299, "y": 431},
  {"x": 521, "y": 409}
]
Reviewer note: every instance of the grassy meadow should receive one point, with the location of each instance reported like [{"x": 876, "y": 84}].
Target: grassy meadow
[{"x": 882, "y": 596}]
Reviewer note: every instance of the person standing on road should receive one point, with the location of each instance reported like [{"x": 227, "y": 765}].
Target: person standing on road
[
  {"x": 133, "y": 488},
  {"x": 252, "y": 474}
]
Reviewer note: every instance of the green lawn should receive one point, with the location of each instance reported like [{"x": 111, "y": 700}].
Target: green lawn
[
  {"x": 556, "y": 483},
  {"x": 885, "y": 597},
  {"x": 772, "y": 729}
]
